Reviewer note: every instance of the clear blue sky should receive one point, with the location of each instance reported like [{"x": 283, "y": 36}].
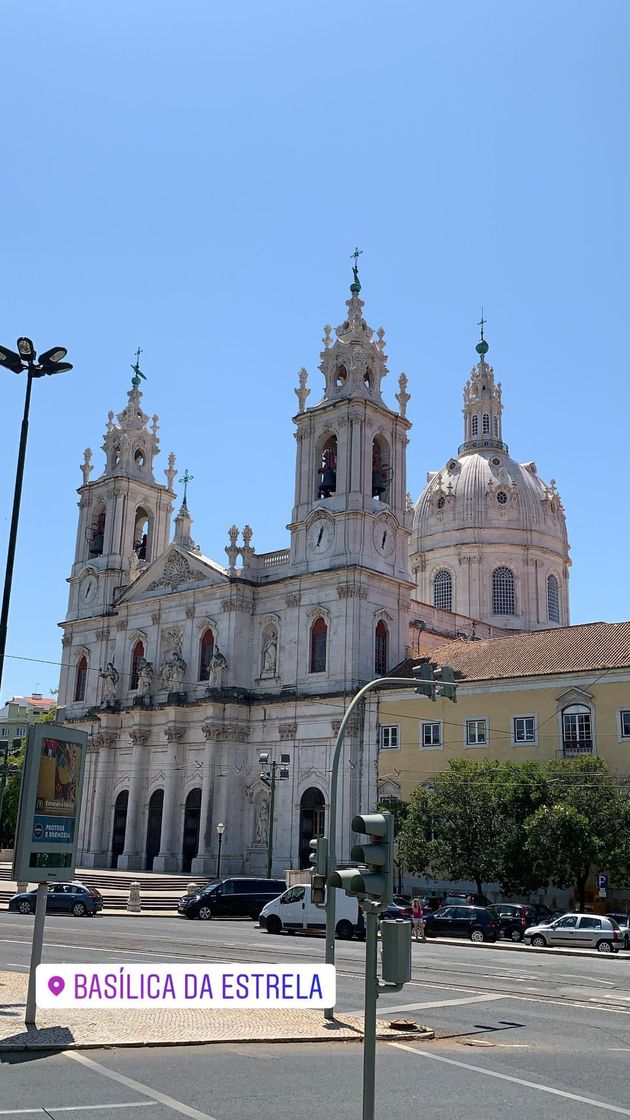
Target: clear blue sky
[{"x": 193, "y": 177}]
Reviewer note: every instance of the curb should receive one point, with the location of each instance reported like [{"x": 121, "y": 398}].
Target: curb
[
  {"x": 59, "y": 1047},
  {"x": 520, "y": 947}
]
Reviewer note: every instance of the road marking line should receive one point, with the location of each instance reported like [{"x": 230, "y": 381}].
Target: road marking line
[
  {"x": 162, "y": 1098},
  {"x": 74, "y": 1108},
  {"x": 514, "y": 1080},
  {"x": 441, "y": 1003}
]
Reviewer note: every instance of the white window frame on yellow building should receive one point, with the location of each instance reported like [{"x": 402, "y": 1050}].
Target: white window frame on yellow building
[
  {"x": 439, "y": 746},
  {"x": 388, "y": 727},
  {"x": 623, "y": 736},
  {"x": 477, "y": 746},
  {"x": 525, "y": 742}
]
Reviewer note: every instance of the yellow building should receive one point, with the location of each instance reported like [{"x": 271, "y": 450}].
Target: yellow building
[{"x": 543, "y": 695}]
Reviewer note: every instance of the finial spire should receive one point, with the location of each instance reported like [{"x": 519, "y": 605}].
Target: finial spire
[
  {"x": 138, "y": 374},
  {"x": 482, "y": 346},
  {"x": 186, "y": 478},
  {"x": 355, "y": 287}
]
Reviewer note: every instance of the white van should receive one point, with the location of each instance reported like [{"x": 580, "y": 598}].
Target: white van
[{"x": 294, "y": 910}]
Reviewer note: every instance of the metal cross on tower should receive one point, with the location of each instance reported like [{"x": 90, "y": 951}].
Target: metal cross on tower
[
  {"x": 186, "y": 478},
  {"x": 138, "y": 374}
]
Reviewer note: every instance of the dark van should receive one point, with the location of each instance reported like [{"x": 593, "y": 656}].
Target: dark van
[{"x": 232, "y": 898}]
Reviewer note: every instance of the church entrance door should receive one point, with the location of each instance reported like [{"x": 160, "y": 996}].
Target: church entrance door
[
  {"x": 311, "y": 821},
  {"x": 192, "y": 818},
  {"x": 154, "y": 827},
  {"x": 120, "y": 826}
]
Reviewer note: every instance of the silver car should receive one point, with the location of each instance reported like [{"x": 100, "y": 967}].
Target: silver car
[{"x": 581, "y": 931}]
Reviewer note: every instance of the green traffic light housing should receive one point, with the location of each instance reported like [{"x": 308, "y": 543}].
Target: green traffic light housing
[{"x": 376, "y": 882}]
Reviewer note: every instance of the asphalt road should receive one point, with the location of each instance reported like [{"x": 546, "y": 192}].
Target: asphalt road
[{"x": 518, "y": 1034}]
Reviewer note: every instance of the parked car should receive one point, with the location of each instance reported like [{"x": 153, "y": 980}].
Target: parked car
[
  {"x": 401, "y": 900},
  {"x": 476, "y": 922},
  {"x": 295, "y": 911},
  {"x": 395, "y": 912},
  {"x": 623, "y": 921},
  {"x": 460, "y": 898},
  {"x": 71, "y": 898},
  {"x": 514, "y": 918},
  {"x": 552, "y": 916},
  {"x": 231, "y": 898},
  {"x": 583, "y": 931}
]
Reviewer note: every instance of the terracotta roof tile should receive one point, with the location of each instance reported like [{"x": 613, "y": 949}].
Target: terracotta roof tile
[{"x": 569, "y": 649}]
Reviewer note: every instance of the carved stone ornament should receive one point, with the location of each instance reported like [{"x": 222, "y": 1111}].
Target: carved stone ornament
[
  {"x": 287, "y": 730},
  {"x": 351, "y": 727},
  {"x": 177, "y": 570},
  {"x": 155, "y": 618},
  {"x": 223, "y": 732},
  {"x": 139, "y": 735},
  {"x": 172, "y": 640},
  {"x": 121, "y": 624},
  {"x": 66, "y": 640},
  {"x": 102, "y": 635},
  {"x": 104, "y": 739},
  {"x": 190, "y": 612},
  {"x": 292, "y": 599},
  {"x": 174, "y": 734},
  {"x": 237, "y": 604},
  {"x": 351, "y": 591}
]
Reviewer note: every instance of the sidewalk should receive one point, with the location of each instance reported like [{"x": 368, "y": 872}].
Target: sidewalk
[{"x": 68, "y": 1029}]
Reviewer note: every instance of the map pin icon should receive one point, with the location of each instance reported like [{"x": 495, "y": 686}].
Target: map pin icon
[{"x": 56, "y": 985}]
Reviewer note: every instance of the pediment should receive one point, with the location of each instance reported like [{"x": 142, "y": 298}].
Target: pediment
[
  {"x": 574, "y": 696},
  {"x": 175, "y": 570}
]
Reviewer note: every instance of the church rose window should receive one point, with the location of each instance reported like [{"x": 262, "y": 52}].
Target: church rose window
[
  {"x": 443, "y": 590},
  {"x": 553, "y": 599},
  {"x": 81, "y": 679},
  {"x": 206, "y": 652},
  {"x": 501, "y": 497},
  {"x": 319, "y": 635},
  {"x": 380, "y": 650},
  {"x": 503, "y": 598},
  {"x": 136, "y": 658},
  {"x": 441, "y": 502}
]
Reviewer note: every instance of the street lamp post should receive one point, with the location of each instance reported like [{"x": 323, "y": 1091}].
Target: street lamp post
[
  {"x": 220, "y": 831},
  {"x": 25, "y": 360},
  {"x": 269, "y": 778}
]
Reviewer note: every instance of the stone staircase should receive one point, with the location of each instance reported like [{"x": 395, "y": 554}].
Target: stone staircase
[{"x": 157, "y": 892}]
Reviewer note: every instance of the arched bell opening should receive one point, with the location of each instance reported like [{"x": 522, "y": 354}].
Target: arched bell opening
[
  {"x": 327, "y": 469},
  {"x": 381, "y": 469},
  {"x": 142, "y": 532},
  {"x": 95, "y": 534},
  {"x": 311, "y": 821}
]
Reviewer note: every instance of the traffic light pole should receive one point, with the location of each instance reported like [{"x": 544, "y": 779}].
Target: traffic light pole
[
  {"x": 371, "y": 995},
  {"x": 272, "y": 809},
  {"x": 13, "y": 531},
  {"x": 380, "y": 682}
]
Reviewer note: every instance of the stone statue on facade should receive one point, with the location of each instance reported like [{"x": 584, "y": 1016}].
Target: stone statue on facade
[
  {"x": 262, "y": 823},
  {"x": 145, "y": 677},
  {"x": 173, "y": 672},
  {"x": 216, "y": 667},
  {"x": 110, "y": 678},
  {"x": 270, "y": 654}
]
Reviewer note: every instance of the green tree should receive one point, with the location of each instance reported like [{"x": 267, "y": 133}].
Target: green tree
[
  {"x": 583, "y": 827},
  {"x": 521, "y": 789}
]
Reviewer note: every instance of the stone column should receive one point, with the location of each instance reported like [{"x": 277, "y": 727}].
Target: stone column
[
  {"x": 133, "y": 855},
  {"x": 202, "y": 863},
  {"x": 170, "y": 842},
  {"x": 99, "y": 838}
]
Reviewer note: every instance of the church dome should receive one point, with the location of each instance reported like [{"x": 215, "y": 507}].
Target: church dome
[{"x": 489, "y": 535}]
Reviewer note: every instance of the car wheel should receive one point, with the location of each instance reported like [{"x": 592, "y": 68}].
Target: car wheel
[
  {"x": 274, "y": 925},
  {"x": 205, "y": 913},
  {"x": 25, "y": 907},
  {"x": 344, "y": 931},
  {"x": 79, "y": 909},
  {"x": 477, "y": 935},
  {"x": 516, "y": 935},
  {"x": 604, "y": 947},
  {"x": 539, "y": 942}
]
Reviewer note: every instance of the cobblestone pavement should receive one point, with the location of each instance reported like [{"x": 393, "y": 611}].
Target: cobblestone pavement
[{"x": 71, "y": 1029}]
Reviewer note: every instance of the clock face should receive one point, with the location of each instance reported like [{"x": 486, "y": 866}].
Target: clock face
[
  {"x": 320, "y": 535},
  {"x": 88, "y": 588},
  {"x": 384, "y": 539}
]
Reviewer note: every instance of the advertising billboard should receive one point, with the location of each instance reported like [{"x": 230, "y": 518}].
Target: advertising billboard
[{"x": 50, "y": 803}]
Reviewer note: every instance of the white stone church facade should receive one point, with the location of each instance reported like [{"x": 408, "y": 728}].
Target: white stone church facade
[{"x": 183, "y": 670}]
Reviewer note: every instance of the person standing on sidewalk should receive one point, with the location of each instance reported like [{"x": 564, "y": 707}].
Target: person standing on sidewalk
[{"x": 417, "y": 917}]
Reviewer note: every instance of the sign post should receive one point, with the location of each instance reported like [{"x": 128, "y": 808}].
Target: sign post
[{"x": 48, "y": 822}]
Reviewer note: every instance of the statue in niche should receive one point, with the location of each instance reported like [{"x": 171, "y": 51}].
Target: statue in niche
[
  {"x": 262, "y": 823},
  {"x": 173, "y": 672},
  {"x": 145, "y": 677},
  {"x": 109, "y": 677},
  {"x": 216, "y": 667},
  {"x": 270, "y": 654}
]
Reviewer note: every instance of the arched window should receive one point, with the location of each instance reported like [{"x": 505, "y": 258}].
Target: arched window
[
  {"x": 553, "y": 599},
  {"x": 80, "y": 680},
  {"x": 96, "y": 533},
  {"x": 136, "y": 658},
  {"x": 380, "y": 649},
  {"x": 206, "y": 653},
  {"x": 485, "y": 424},
  {"x": 327, "y": 470},
  {"x": 319, "y": 636},
  {"x": 577, "y": 732},
  {"x": 503, "y": 598},
  {"x": 443, "y": 590},
  {"x": 475, "y": 426},
  {"x": 381, "y": 470}
]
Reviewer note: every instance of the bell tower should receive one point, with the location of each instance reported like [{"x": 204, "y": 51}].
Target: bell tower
[
  {"x": 124, "y": 515},
  {"x": 351, "y": 486}
]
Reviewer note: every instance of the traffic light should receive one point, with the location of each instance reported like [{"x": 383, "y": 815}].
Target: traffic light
[
  {"x": 318, "y": 860},
  {"x": 446, "y": 683},
  {"x": 426, "y": 679},
  {"x": 377, "y": 881}
]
